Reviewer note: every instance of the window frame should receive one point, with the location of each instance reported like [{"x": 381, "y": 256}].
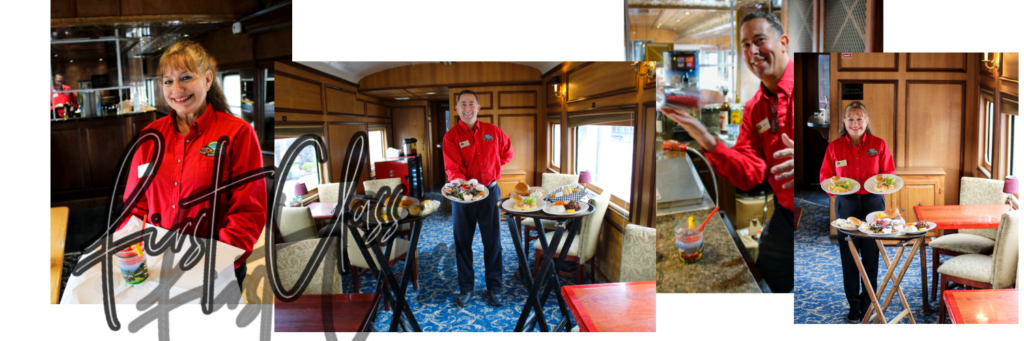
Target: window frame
[
  {"x": 986, "y": 143},
  {"x": 384, "y": 147},
  {"x": 554, "y": 142},
  {"x": 615, "y": 199}
]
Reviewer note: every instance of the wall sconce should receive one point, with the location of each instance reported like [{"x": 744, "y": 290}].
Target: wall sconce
[
  {"x": 556, "y": 83},
  {"x": 991, "y": 64},
  {"x": 644, "y": 69}
]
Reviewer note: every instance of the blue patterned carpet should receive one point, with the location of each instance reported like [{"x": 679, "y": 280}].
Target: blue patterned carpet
[
  {"x": 438, "y": 285},
  {"x": 819, "y": 296}
]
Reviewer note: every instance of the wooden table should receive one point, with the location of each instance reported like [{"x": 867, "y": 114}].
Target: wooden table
[
  {"x": 326, "y": 313},
  {"x": 322, "y": 210},
  {"x": 58, "y": 234},
  {"x": 548, "y": 268},
  {"x": 991, "y": 306},
  {"x": 612, "y": 307},
  {"x": 890, "y": 265},
  {"x": 954, "y": 217}
]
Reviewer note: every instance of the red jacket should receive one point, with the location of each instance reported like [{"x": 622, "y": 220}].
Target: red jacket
[
  {"x": 749, "y": 162},
  {"x": 187, "y": 169},
  {"x": 61, "y": 98},
  {"x": 858, "y": 163},
  {"x": 476, "y": 154}
]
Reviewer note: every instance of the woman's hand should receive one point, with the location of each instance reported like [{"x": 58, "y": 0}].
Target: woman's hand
[
  {"x": 696, "y": 130},
  {"x": 784, "y": 170}
]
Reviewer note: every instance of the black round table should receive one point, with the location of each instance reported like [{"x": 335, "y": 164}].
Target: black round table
[
  {"x": 548, "y": 265},
  {"x": 891, "y": 265}
]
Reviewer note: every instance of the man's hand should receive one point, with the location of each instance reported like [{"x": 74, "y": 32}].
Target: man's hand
[
  {"x": 696, "y": 130},
  {"x": 784, "y": 170}
]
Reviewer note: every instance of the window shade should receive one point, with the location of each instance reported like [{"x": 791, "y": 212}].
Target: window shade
[
  {"x": 1008, "y": 106},
  {"x": 591, "y": 119},
  {"x": 296, "y": 131}
]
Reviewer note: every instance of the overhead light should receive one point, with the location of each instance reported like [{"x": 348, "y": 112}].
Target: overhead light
[
  {"x": 402, "y": 98},
  {"x": 101, "y": 59},
  {"x": 67, "y": 32},
  {"x": 677, "y": 20},
  {"x": 186, "y": 35},
  {"x": 54, "y": 55},
  {"x": 431, "y": 93},
  {"x": 687, "y": 13},
  {"x": 71, "y": 61}
]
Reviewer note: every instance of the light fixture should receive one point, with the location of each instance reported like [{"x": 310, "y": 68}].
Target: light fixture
[
  {"x": 556, "y": 82},
  {"x": 101, "y": 59},
  {"x": 431, "y": 93},
  {"x": 645, "y": 69},
  {"x": 185, "y": 35},
  {"x": 991, "y": 64},
  {"x": 54, "y": 55},
  {"x": 402, "y": 98},
  {"x": 67, "y": 32},
  {"x": 71, "y": 61},
  {"x": 687, "y": 13}
]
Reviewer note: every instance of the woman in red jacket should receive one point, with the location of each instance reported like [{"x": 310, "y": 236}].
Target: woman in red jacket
[
  {"x": 199, "y": 120},
  {"x": 859, "y": 155}
]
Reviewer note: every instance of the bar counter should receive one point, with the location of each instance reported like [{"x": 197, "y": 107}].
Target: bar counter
[{"x": 721, "y": 269}]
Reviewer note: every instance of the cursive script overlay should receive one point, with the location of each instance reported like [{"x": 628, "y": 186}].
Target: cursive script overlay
[{"x": 100, "y": 252}]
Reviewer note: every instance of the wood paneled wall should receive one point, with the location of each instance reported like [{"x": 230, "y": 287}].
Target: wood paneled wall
[
  {"x": 516, "y": 111},
  {"x": 105, "y": 8},
  {"x": 475, "y": 73},
  {"x": 307, "y": 97},
  {"x": 595, "y": 87},
  {"x": 918, "y": 104}
]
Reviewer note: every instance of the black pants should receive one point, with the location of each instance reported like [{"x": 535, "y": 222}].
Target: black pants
[
  {"x": 240, "y": 275},
  {"x": 465, "y": 218},
  {"x": 858, "y": 205},
  {"x": 775, "y": 251}
]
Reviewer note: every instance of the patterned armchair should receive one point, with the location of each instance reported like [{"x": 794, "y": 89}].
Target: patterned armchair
[
  {"x": 291, "y": 260},
  {"x": 638, "y": 254},
  {"x": 997, "y": 271},
  {"x": 584, "y": 246},
  {"x": 550, "y": 182}
]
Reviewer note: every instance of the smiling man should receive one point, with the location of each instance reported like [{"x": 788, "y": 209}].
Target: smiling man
[
  {"x": 763, "y": 149},
  {"x": 476, "y": 150}
]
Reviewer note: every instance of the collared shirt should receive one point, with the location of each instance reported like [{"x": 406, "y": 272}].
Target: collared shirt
[
  {"x": 187, "y": 170},
  {"x": 61, "y": 98},
  {"x": 476, "y": 153},
  {"x": 749, "y": 162},
  {"x": 859, "y": 163}
]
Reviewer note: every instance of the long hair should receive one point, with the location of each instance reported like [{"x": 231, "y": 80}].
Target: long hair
[
  {"x": 846, "y": 113},
  {"x": 187, "y": 55}
]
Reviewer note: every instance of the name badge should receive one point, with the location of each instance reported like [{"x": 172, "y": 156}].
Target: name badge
[
  {"x": 841, "y": 163},
  {"x": 143, "y": 169},
  {"x": 464, "y": 144},
  {"x": 763, "y": 126},
  {"x": 55, "y": 95}
]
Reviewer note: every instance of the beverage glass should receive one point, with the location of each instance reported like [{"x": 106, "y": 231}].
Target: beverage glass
[
  {"x": 132, "y": 264},
  {"x": 689, "y": 242}
]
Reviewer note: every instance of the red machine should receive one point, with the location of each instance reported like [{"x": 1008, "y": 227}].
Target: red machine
[{"x": 408, "y": 168}]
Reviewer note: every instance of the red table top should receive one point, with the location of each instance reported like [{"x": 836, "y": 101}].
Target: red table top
[
  {"x": 351, "y": 313},
  {"x": 998, "y": 306},
  {"x": 322, "y": 210},
  {"x": 962, "y": 216},
  {"x": 612, "y": 307}
]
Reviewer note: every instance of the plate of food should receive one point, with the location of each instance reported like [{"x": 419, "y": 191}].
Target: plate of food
[
  {"x": 566, "y": 208},
  {"x": 465, "y": 191},
  {"x": 850, "y": 224},
  {"x": 893, "y": 214},
  {"x": 840, "y": 186},
  {"x": 382, "y": 215},
  {"x": 883, "y": 184},
  {"x": 527, "y": 204},
  {"x": 882, "y": 228},
  {"x": 424, "y": 208},
  {"x": 919, "y": 228}
]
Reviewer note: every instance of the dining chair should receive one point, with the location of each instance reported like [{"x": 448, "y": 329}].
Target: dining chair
[
  {"x": 292, "y": 259},
  {"x": 584, "y": 246},
  {"x": 328, "y": 192},
  {"x": 638, "y": 254},
  {"x": 256, "y": 286},
  {"x": 372, "y": 186},
  {"x": 398, "y": 253},
  {"x": 973, "y": 191},
  {"x": 550, "y": 182},
  {"x": 58, "y": 235},
  {"x": 997, "y": 271},
  {"x": 297, "y": 224}
]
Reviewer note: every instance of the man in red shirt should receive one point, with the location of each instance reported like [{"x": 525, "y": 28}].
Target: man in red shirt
[
  {"x": 61, "y": 101},
  {"x": 476, "y": 150},
  {"x": 763, "y": 149}
]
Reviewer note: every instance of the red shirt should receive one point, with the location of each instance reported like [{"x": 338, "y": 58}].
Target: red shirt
[
  {"x": 187, "y": 170},
  {"x": 61, "y": 98},
  {"x": 749, "y": 162},
  {"x": 857, "y": 163},
  {"x": 476, "y": 154}
]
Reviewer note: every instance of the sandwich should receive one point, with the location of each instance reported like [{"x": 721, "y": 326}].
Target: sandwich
[
  {"x": 854, "y": 221},
  {"x": 891, "y": 213},
  {"x": 835, "y": 180}
]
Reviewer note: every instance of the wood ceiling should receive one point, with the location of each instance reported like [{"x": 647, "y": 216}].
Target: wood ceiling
[
  {"x": 426, "y": 93},
  {"x": 682, "y": 16}
]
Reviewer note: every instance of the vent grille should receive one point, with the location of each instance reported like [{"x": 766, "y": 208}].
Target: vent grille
[
  {"x": 801, "y": 26},
  {"x": 844, "y": 25}
]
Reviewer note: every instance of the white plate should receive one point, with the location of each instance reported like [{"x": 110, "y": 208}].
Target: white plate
[
  {"x": 931, "y": 226},
  {"x": 542, "y": 191},
  {"x": 843, "y": 228},
  {"x": 864, "y": 228},
  {"x": 856, "y": 186},
  {"x": 507, "y": 205},
  {"x": 871, "y": 217},
  {"x": 869, "y": 185},
  {"x": 583, "y": 208},
  {"x": 402, "y": 214},
  {"x": 483, "y": 188}
]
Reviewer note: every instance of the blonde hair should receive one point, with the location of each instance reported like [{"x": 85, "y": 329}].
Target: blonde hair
[
  {"x": 846, "y": 113},
  {"x": 190, "y": 56}
]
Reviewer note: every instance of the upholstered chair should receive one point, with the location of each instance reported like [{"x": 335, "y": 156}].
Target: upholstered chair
[
  {"x": 584, "y": 246},
  {"x": 297, "y": 224},
  {"x": 292, "y": 259},
  {"x": 550, "y": 182},
  {"x": 328, "y": 192},
  {"x": 359, "y": 265},
  {"x": 973, "y": 191},
  {"x": 996, "y": 271},
  {"x": 638, "y": 254},
  {"x": 373, "y": 186}
]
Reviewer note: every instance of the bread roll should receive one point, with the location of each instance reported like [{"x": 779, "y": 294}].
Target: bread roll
[
  {"x": 891, "y": 213},
  {"x": 522, "y": 189},
  {"x": 854, "y": 220},
  {"x": 835, "y": 180}
]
